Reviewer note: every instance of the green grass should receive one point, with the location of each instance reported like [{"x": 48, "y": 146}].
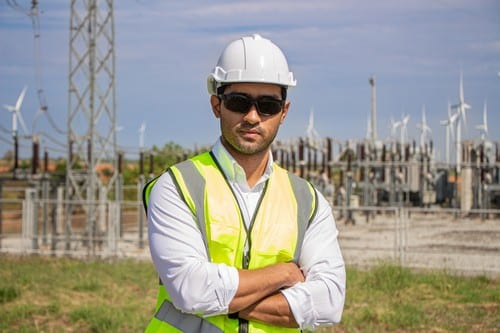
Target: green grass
[
  {"x": 390, "y": 298},
  {"x": 41, "y": 294}
]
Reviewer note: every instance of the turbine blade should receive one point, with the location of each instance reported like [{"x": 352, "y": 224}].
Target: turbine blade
[
  {"x": 21, "y": 98},
  {"x": 9, "y": 108}
]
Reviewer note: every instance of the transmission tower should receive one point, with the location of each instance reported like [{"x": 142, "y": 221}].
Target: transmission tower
[{"x": 91, "y": 109}]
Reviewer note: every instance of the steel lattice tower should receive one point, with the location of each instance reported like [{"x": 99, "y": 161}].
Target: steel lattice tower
[{"x": 91, "y": 107}]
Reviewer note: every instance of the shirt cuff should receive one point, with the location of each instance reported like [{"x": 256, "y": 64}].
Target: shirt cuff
[
  {"x": 229, "y": 279},
  {"x": 302, "y": 311}
]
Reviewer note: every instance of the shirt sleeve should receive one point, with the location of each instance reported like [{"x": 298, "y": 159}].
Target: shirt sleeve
[
  {"x": 180, "y": 257},
  {"x": 319, "y": 300}
]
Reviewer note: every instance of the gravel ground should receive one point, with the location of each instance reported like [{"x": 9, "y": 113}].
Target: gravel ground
[{"x": 464, "y": 245}]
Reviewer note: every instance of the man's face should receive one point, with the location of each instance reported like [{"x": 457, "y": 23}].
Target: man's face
[{"x": 248, "y": 133}]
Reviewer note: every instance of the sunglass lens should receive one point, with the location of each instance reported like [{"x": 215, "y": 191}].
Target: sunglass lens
[
  {"x": 269, "y": 107},
  {"x": 238, "y": 103}
]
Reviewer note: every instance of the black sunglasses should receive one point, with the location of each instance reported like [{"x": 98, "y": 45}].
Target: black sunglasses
[{"x": 265, "y": 105}]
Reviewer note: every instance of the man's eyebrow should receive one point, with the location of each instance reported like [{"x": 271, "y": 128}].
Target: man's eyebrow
[{"x": 276, "y": 96}]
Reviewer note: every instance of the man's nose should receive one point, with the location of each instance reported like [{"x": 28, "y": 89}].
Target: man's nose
[{"x": 252, "y": 116}]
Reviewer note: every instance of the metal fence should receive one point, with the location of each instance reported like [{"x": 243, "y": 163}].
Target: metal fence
[
  {"x": 435, "y": 238},
  {"x": 62, "y": 227},
  {"x": 420, "y": 238}
]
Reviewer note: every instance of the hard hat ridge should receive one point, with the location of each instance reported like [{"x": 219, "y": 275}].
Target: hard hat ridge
[{"x": 251, "y": 59}]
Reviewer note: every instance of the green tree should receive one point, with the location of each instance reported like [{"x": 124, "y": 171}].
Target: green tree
[
  {"x": 8, "y": 155},
  {"x": 168, "y": 155}
]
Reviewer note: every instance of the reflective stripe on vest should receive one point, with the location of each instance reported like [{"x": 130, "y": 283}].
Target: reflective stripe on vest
[{"x": 184, "y": 322}]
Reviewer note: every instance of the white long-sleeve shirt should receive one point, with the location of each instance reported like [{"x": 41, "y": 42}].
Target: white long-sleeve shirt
[{"x": 197, "y": 285}]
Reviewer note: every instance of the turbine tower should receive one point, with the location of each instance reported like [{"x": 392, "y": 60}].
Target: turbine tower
[
  {"x": 91, "y": 105},
  {"x": 460, "y": 107},
  {"x": 394, "y": 127},
  {"x": 404, "y": 129},
  {"x": 484, "y": 126},
  {"x": 312, "y": 134},
  {"x": 424, "y": 129},
  {"x": 449, "y": 123}
]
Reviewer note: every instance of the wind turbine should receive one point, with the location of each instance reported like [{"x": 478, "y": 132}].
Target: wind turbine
[
  {"x": 462, "y": 106},
  {"x": 484, "y": 126},
  {"x": 424, "y": 128},
  {"x": 142, "y": 129},
  {"x": 394, "y": 126},
  {"x": 404, "y": 130},
  {"x": 312, "y": 135},
  {"x": 449, "y": 123},
  {"x": 16, "y": 113}
]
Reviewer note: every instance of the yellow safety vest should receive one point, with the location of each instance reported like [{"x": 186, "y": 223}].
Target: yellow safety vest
[{"x": 275, "y": 234}]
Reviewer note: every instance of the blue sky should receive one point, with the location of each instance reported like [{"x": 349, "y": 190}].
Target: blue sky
[{"x": 165, "y": 49}]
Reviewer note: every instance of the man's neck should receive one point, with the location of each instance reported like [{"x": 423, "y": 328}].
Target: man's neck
[{"x": 254, "y": 165}]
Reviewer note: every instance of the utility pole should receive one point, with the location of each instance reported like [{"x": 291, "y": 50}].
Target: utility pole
[
  {"x": 91, "y": 108},
  {"x": 373, "y": 109}
]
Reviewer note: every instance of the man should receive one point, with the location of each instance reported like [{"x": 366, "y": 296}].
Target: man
[{"x": 240, "y": 244}]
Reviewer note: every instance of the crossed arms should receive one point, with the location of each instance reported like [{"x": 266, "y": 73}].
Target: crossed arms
[{"x": 258, "y": 297}]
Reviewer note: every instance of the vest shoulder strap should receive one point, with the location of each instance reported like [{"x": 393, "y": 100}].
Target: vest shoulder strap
[
  {"x": 146, "y": 192},
  {"x": 307, "y": 206}
]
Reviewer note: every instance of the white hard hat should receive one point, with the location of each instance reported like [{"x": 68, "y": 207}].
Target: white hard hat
[{"x": 251, "y": 59}]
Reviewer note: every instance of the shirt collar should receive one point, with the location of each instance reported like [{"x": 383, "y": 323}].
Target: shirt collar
[{"x": 233, "y": 171}]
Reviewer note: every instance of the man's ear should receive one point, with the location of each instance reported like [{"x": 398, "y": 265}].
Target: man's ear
[
  {"x": 215, "y": 103},
  {"x": 286, "y": 107}
]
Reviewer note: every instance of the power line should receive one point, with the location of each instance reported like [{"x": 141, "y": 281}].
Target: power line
[
  {"x": 50, "y": 138},
  {"x": 34, "y": 14},
  {"x": 35, "y": 21},
  {"x": 53, "y": 124},
  {"x": 3, "y": 129},
  {"x": 53, "y": 149},
  {"x": 5, "y": 140},
  {"x": 14, "y": 5}
]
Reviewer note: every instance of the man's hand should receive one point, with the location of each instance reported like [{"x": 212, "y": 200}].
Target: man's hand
[
  {"x": 293, "y": 274},
  {"x": 257, "y": 284},
  {"x": 273, "y": 310}
]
